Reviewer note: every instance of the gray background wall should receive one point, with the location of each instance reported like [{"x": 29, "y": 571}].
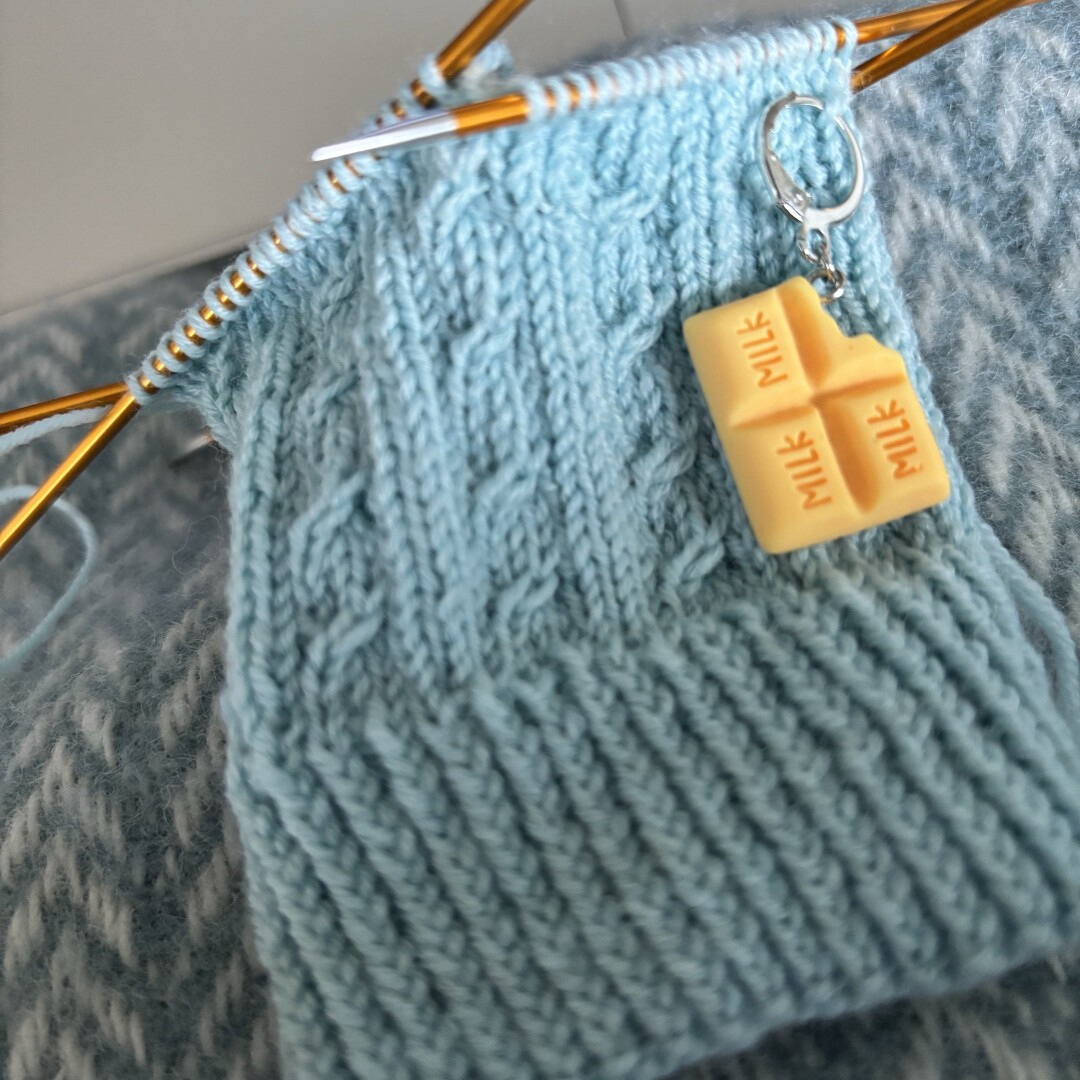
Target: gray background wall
[{"x": 141, "y": 134}]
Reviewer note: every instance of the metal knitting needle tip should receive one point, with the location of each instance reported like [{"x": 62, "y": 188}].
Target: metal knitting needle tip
[
  {"x": 468, "y": 119},
  {"x": 203, "y": 441},
  {"x": 458, "y": 55},
  {"x": 415, "y": 132}
]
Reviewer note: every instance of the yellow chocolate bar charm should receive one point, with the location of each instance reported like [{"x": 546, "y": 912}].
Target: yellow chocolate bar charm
[{"x": 824, "y": 433}]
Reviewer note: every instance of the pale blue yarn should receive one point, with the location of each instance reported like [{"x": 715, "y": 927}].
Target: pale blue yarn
[
  {"x": 18, "y": 493},
  {"x": 28, "y": 433},
  {"x": 542, "y": 768},
  {"x": 10, "y": 441}
]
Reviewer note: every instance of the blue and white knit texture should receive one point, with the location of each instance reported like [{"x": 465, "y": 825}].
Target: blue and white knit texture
[{"x": 542, "y": 768}]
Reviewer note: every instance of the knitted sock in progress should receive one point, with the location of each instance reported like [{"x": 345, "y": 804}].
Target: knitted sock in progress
[{"x": 542, "y": 768}]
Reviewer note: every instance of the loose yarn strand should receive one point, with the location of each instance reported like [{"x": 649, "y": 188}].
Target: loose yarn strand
[{"x": 86, "y": 533}]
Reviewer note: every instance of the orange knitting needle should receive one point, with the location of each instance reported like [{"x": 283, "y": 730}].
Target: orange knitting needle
[
  {"x": 898, "y": 23},
  {"x": 461, "y": 52},
  {"x": 930, "y": 39},
  {"x": 509, "y": 109},
  {"x": 84, "y": 399}
]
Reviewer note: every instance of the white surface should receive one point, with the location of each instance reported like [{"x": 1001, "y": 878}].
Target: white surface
[{"x": 141, "y": 134}]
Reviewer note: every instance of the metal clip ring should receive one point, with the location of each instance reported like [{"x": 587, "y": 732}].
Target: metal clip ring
[{"x": 797, "y": 204}]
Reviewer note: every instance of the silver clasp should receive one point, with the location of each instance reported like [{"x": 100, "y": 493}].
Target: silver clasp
[{"x": 814, "y": 221}]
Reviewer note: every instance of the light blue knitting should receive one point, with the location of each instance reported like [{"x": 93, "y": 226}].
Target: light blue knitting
[{"x": 543, "y": 769}]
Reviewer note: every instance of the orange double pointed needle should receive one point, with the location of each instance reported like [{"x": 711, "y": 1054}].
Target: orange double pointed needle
[
  {"x": 461, "y": 52},
  {"x": 898, "y": 23},
  {"x": 510, "y": 109},
  {"x": 928, "y": 40},
  {"x": 84, "y": 399}
]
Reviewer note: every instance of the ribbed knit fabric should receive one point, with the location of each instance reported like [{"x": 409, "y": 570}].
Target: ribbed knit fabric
[{"x": 542, "y": 767}]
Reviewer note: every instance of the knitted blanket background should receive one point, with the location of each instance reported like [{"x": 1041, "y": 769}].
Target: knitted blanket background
[{"x": 123, "y": 950}]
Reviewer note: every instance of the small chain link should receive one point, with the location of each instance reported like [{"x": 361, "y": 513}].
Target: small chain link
[{"x": 814, "y": 246}]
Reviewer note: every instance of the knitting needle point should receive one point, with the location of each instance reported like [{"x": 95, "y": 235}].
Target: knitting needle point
[
  {"x": 195, "y": 445},
  {"x": 412, "y": 132}
]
